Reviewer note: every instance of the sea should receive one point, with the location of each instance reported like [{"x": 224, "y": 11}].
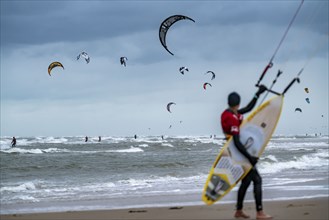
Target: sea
[{"x": 50, "y": 174}]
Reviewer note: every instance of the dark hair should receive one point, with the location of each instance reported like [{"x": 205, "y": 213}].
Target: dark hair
[{"x": 233, "y": 99}]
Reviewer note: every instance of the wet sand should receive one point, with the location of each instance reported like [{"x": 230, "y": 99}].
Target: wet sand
[{"x": 315, "y": 208}]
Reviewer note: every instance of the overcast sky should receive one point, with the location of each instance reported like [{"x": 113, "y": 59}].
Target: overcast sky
[{"x": 235, "y": 39}]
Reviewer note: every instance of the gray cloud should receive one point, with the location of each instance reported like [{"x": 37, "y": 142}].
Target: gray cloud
[
  {"x": 234, "y": 39},
  {"x": 54, "y": 21}
]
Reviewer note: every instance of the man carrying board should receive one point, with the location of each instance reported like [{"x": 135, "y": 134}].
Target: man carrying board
[{"x": 231, "y": 120}]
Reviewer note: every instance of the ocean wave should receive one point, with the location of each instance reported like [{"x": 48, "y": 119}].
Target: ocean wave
[
  {"x": 27, "y": 141},
  {"x": 322, "y": 154},
  {"x": 300, "y": 188},
  {"x": 128, "y": 150},
  {"x": 304, "y": 162},
  {"x": 204, "y": 140},
  {"x": 33, "y": 151},
  {"x": 135, "y": 182},
  {"x": 149, "y": 140},
  {"x": 5, "y": 142},
  {"x": 269, "y": 158},
  {"x": 19, "y": 188},
  {"x": 294, "y": 137},
  {"x": 26, "y": 198},
  {"x": 73, "y": 170},
  {"x": 167, "y": 145},
  {"x": 17, "y": 150},
  {"x": 294, "y": 146},
  {"x": 276, "y": 142},
  {"x": 49, "y": 140},
  {"x": 284, "y": 181}
]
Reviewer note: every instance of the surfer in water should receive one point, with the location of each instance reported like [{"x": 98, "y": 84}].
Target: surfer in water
[
  {"x": 13, "y": 142},
  {"x": 231, "y": 120}
]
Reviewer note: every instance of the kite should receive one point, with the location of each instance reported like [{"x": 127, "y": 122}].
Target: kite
[
  {"x": 306, "y": 90},
  {"x": 182, "y": 69},
  {"x": 298, "y": 109},
  {"x": 307, "y": 100},
  {"x": 166, "y": 24},
  {"x": 84, "y": 55},
  {"x": 53, "y": 65},
  {"x": 205, "y": 85},
  {"x": 213, "y": 74},
  {"x": 123, "y": 60},
  {"x": 169, "y": 104}
]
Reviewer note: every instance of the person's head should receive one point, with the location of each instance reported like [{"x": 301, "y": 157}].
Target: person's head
[{"x": 233, "y": 100}]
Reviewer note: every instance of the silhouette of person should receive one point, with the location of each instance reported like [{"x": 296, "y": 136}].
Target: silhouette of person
[{"x": 13, "y": 142}]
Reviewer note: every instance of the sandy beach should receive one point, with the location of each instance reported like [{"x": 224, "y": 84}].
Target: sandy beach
[{"x": 316, "y": 208}]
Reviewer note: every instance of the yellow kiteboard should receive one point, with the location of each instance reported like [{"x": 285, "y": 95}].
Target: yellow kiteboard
[{"x": 230, "y": 165}]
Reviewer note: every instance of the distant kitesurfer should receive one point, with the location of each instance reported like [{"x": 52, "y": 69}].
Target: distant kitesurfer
[
  {"x": 86, "y": 139},
  {"x": 231, "y": 120},
  {"x": 135, "y": 136},
  {"x": 99, "y": 138},
  {"x": 13, "y": 142}
]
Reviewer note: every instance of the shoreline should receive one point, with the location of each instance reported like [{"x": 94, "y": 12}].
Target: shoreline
[{"x": 313, "y": 208}]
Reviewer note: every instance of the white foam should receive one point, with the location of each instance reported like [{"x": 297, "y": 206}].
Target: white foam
[
  {"x": 308, "y": 146},
  {"x": 135, "y": 182},
  {"x": 270, "y": 157},
  {"x": 149, "y": 140},
  {"x": 52, "y": 140},
  {"x": 54, "y": 150},
  {"x": 33, "y": 151},
  {"x": 27, "y": 198},
  {"x": 129, "y": 150},
  {"x": 204, "y": 140},
  {"x": 23, "y": 151},
  {"x": 167, "y": 145},
  {"x": 303, "y": 162},
  {"x": 19, "y": 188},
  {"x": 284, "y": 181},
  {"x": 5, "y": 144}
]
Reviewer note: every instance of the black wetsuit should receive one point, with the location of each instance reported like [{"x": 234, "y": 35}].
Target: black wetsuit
[
  {"x": 13, "y": 142},
  {"x": 253, "y": 175}
]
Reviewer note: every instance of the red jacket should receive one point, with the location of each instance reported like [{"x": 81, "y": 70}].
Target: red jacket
[{"x": 231, "y": 122}]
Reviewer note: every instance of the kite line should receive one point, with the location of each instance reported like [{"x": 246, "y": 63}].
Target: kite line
[{"x": 270, "y": 64}]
